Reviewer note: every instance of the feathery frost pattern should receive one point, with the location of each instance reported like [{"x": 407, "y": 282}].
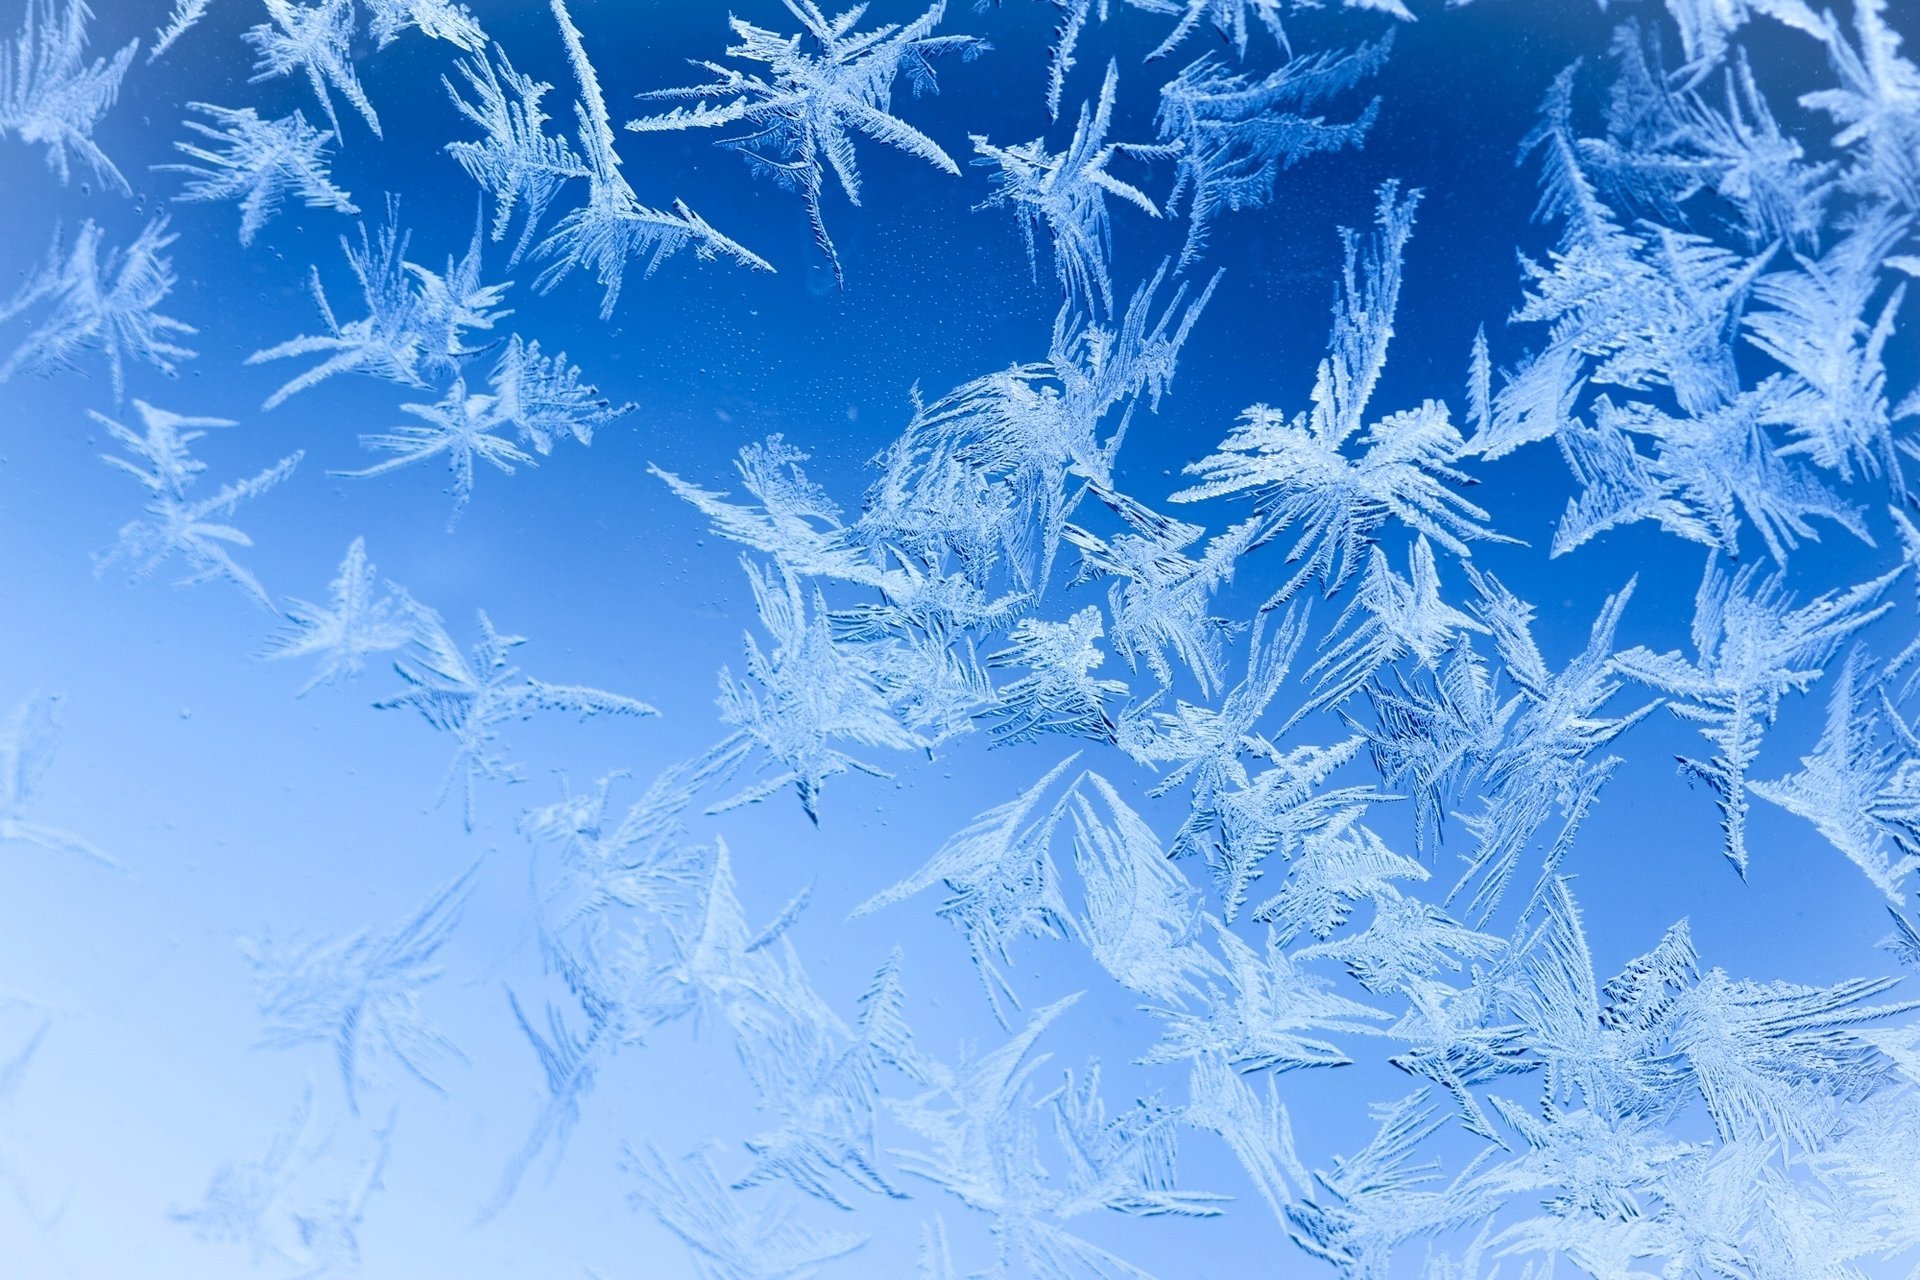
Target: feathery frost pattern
[
  {"x": 51, "y": 96},
  {"x": 100, "y": 299},
  {"x": 259, "y": 163},
  {"x": 822, "y": 88},
  {"x": 360, "y": 994},
  {"x": 176, "y": 524},
  {"x": 26, "y": 753},
  {"x": 1065, "y": 195},
  {"x": 612, "y": 226},
  {"x": 1295, "y": 468},
  {"x": 416, "y": 321},
  {"x": 470, "y": 698},
  {"x": 1189, "y": 780}
]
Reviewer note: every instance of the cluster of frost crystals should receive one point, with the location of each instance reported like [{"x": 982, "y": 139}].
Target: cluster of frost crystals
[
  {"x": 1317, "y": 940},
  {"x": 416, "y": 322},
  {"x": 1754, "y": 646},
  {"x": 315, "y": 39},
  {"x": 416, "y": 333},
  {"x": 1309, "y": 784}
]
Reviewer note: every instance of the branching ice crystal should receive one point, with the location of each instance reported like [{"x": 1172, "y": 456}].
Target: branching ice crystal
[
  {"x": 1065, "y": 194},
  {"x": 1863, "y": 795},
  {"x": 416, "y": 322},
  {"x": 1753, "y": 647},
  {"x": 517, "y": 162},
  {"x": 175, "y": 523},
  {"x": 360, "y": 993},
  {"x": 27, "y": 744},
  {"x": 1236, "y": 134},
  {"x": 612, "y": 227},
  {"x": 822, "y": 87},
  {"x": 357, "y": 621},
  {"x": 259, "y": 162},
  {"x": 473, "y": 698},
  {"x": 51, "y": 96},
  {"x": 1295, "y": 468},
  {"x": 316, "y": 40},
  {"x": 104, "y": 300}
]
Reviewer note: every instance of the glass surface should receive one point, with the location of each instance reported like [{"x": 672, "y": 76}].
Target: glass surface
[{"x": 1111, "y": 590}]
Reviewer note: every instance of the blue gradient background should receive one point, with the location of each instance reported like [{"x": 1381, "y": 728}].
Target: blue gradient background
[{"x": 241, "y": 809}]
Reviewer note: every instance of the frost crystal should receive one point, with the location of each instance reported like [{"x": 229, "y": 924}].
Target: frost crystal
[
  {"x": 1002, "y": 885},
  {"x": 292, "y": 1204},
  {"x": 1536, "y": 754},
  {"x": 517, "y": 162},
  {"x": 821, "y": 88},
  {"x": 106, "y": 301},
  {"x": 175, "y": 523},
  {"x": 982, "y": 474},
  {"x": 796, "y": 701},
  {"x": 27, "y": 745},
  {"x": 50, "y": 96},
  {"x": 1296, "y": 468},
  {"x": 416, "y": 321},
  {"x": 1862, "y": 795},
  {"x": 356, "y": 621},
  {"x": 471, "y": 699},
  {"x": 1059, "y": 693},
  {"x": 186, "y": 15},
  {"x": 1065, "y": 194},
  {"x": 259, "y": 162},
  {"x": 728, "y": 1241},
  {"x": 361, "y": 993},
  {"x": 1390, "y": 618},
  {"x": 1142, "y": 918},
  {"x": 440, "y": 19},
  {"x": 1754, "y": 646},
  {"x": 461, "y": 426},
  {"x": 1236, "y": 134},
  {"x": 612, "y": 226},
  {"x": 1159, "y": 601},
  {"x": 315, "y": 40}
]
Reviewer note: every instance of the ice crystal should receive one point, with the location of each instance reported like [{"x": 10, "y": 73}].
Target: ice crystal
[
  {"x": 357, "y": 621},
  {"x": 821, "y": 89},
  {"x": 360, "y": 993},
  {"x": 27, "y": 746},
  {"x": 1065, "y": 194},
  {"x": 1753, "y": 647},
  {"x": 258, "y": 162},
  {"x": 1295, "y": 468},
  {"x": 100, "y": 299},
  {"x": 177, "y": 524},
  {"x": 612, "y": 227},
  {"x": 51, "y": 96},
  {"x": 472, "y": 699}
]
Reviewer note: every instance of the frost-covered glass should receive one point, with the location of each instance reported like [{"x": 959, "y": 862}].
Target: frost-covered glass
[{"x": 1039, "y": 640}]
